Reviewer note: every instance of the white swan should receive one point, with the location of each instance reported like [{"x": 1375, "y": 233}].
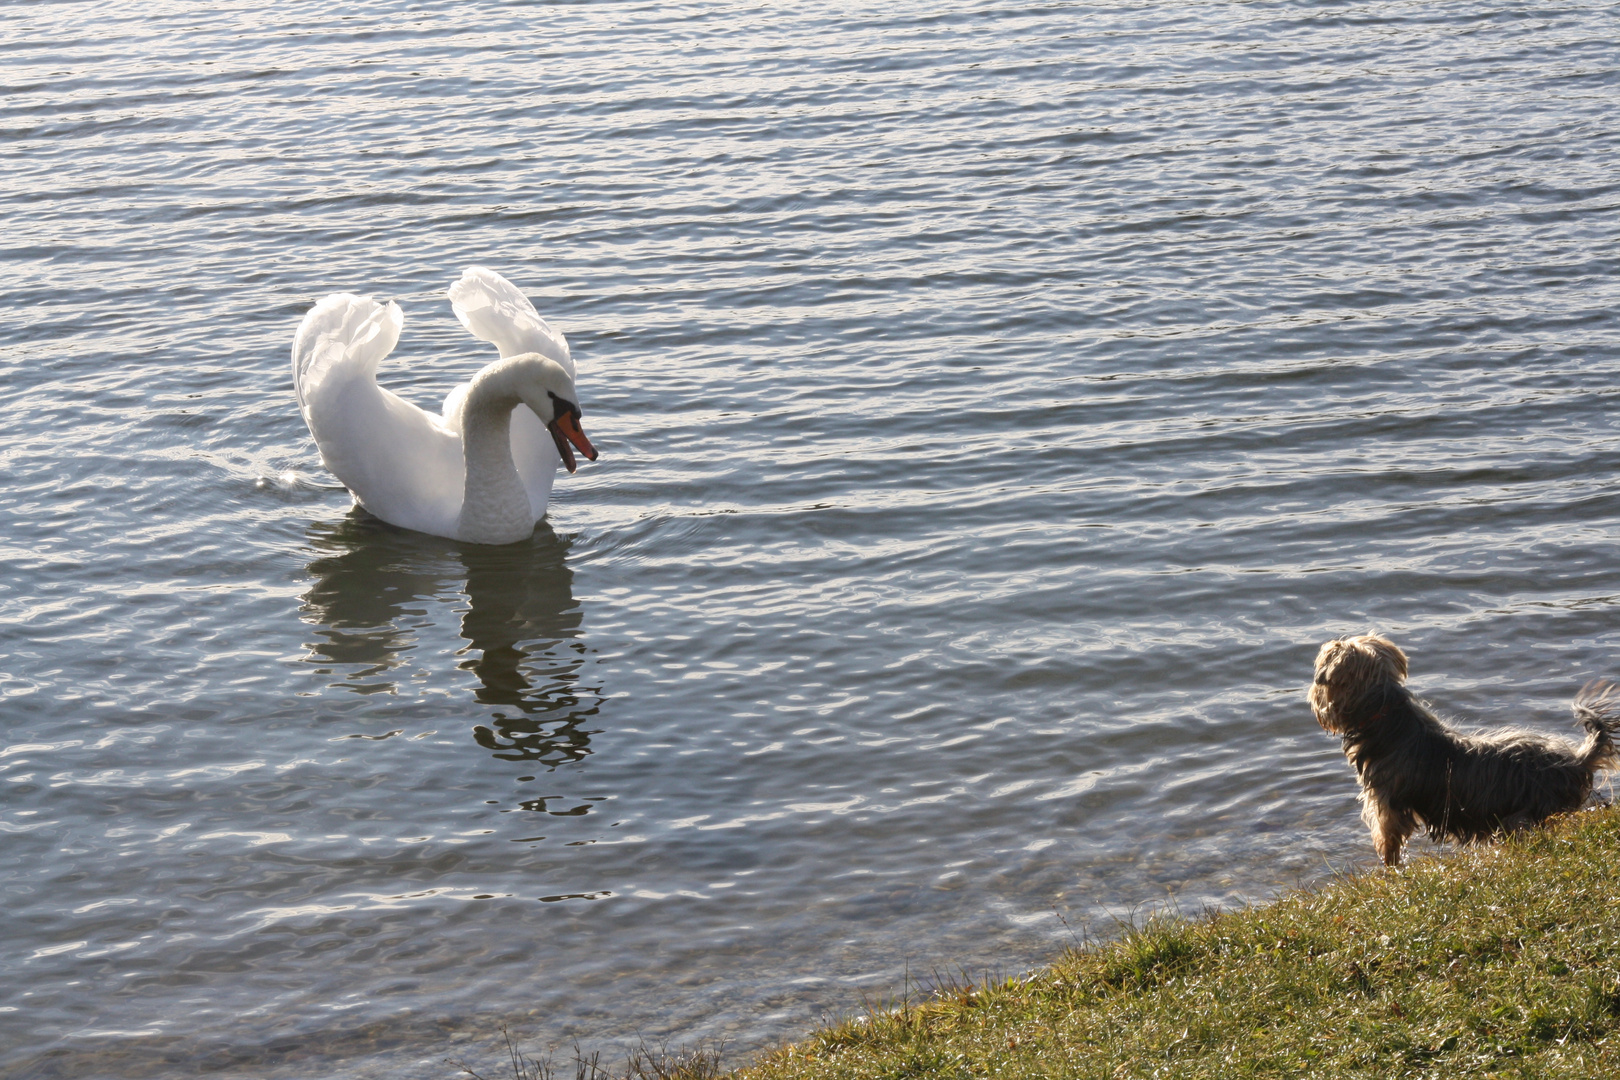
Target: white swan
[{"x": 480, "y": 472}]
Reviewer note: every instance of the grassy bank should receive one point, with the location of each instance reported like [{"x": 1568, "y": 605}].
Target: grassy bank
[
  {"x": 1497, "y": 961},
  {"x": 1502, "y": 960}
]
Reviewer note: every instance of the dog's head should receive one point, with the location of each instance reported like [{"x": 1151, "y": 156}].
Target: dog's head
[{"x": 1353, "y": 678}]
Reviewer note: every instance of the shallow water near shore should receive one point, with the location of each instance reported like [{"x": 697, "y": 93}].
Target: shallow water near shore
[{"x": 996, "y": 409}]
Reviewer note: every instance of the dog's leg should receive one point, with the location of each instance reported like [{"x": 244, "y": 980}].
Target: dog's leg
[{"x": 1389, "y": 829}]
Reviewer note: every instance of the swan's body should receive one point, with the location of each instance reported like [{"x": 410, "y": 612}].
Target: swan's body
[{"x": 482, "y": 470}]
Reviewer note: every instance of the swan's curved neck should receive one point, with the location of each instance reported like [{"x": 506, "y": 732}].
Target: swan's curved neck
[{"x": 494, "y": 504}]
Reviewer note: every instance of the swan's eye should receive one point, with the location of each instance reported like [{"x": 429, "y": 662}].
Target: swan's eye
[{"x": 562, "y": 406}]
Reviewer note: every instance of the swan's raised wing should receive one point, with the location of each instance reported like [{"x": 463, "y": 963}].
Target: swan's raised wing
[
  {"x": 398, "y": 461},
  {"x": 343, "y": 337},
  {"x": 492, "y": 310}
]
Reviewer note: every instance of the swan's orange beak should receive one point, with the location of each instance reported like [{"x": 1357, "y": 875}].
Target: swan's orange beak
[{"x": 564, "y": 430}]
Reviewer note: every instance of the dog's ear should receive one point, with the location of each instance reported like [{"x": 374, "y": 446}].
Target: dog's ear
[{"x": 1385, "y": 653}]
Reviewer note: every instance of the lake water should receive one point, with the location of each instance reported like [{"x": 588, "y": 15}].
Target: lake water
[{"x": 998, "y": 404}]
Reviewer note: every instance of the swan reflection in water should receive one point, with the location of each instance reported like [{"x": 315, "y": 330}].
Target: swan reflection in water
[{"x": 378, "y": 590}]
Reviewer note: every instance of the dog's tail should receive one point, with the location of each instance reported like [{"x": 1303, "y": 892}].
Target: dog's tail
[{"x": 1597, "y": 707}]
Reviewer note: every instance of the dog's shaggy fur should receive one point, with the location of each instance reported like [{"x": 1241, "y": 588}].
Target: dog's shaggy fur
[{"x": 1415, "y": 771}]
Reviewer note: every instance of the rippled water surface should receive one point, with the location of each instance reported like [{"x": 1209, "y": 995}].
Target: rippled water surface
[{"x": 997, "y": 406}]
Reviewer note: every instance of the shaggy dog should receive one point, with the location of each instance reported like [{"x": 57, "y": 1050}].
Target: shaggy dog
[{"x": 1414, "y": 770}]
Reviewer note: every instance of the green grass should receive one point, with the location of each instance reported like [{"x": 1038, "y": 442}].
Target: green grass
[{"x": 1501, "y": 960}]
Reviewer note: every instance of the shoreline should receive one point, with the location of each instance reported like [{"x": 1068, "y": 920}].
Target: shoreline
[{"x": 1501, "y": 959}]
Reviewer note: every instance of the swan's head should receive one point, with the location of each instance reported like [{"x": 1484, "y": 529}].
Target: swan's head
[{"x": 543, "y": 385}]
